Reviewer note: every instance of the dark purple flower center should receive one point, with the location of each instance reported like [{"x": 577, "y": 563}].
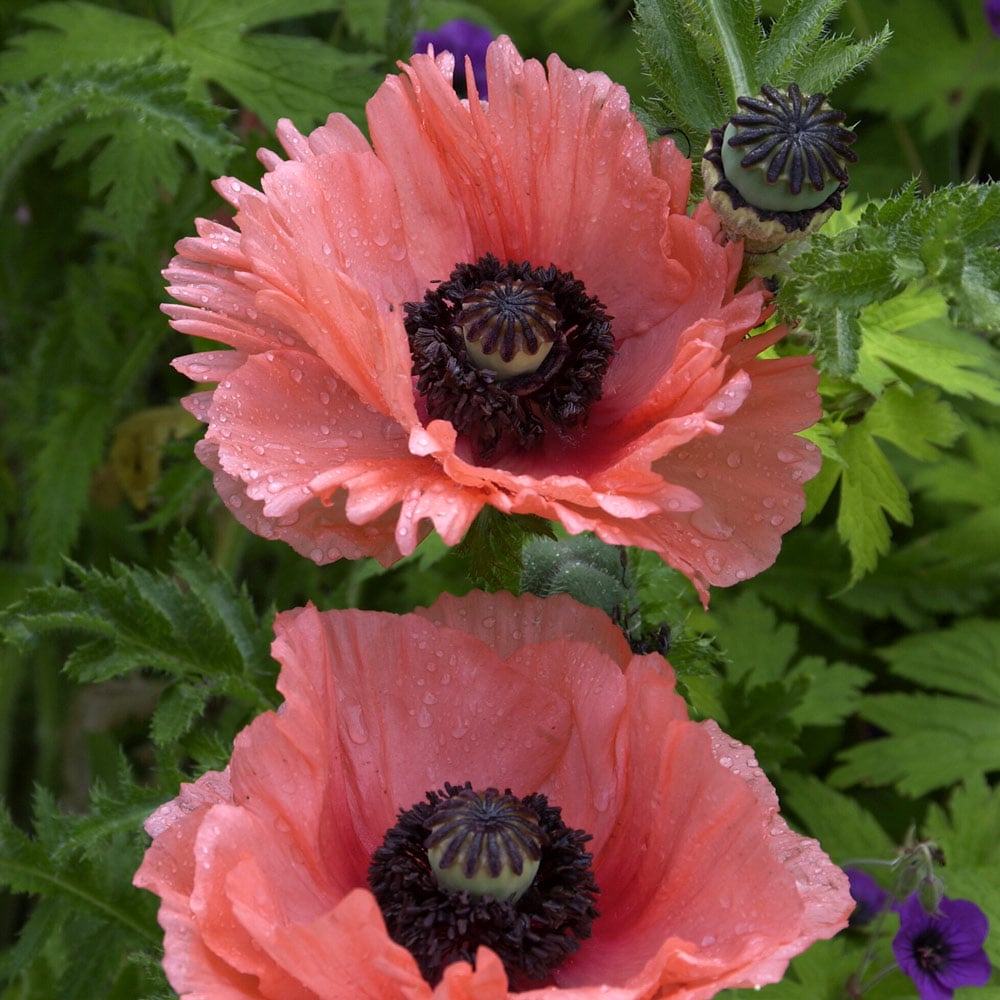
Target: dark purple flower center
[
  {"x": 508, "y": 353},
  {"x": 931, "y": 951},
  {"x": 484, "y": 842}
]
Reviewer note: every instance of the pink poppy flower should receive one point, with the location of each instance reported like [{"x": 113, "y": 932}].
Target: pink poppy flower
[
  {"x": 503, "y": 304},
  {"x": 263, "y": 869}
]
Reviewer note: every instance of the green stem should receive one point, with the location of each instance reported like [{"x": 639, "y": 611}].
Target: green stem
[{"x": 720, "y": 14}]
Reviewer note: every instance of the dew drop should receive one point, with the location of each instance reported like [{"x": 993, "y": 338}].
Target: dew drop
[
  {"x": 424, "y": 719},
  {"x": 734, "y": 460},
  {"x": 726, "y": 761},
  {"x": 296, "y": 374},
  {"x": 787, "y": 455}
]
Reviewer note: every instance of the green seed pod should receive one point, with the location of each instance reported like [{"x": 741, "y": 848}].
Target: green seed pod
[{"x": 776, "y": 172}]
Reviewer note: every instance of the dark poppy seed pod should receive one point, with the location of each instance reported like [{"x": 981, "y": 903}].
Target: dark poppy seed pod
[{"x": 777, "y": 170}]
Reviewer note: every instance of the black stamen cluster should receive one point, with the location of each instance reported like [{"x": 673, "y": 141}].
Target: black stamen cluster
[
  {"x": 797, "y": 136},
  {"x": 497, "y": 415},
  {"x": 532, "y": 936}
]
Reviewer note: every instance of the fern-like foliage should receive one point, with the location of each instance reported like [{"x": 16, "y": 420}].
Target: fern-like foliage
[
  {"x": 133, "y": 118},
  {"x": 88, "y": 924},
  {"x": 194, "y": 628},
  {"x": 273, "y": 75}
]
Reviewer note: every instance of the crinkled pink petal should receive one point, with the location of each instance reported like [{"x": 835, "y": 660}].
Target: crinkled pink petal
[
  {"x": 555, "y": 169},
  {"x": 262, "y": 869}
]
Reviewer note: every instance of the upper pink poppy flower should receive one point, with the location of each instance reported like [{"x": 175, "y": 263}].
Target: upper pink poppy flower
[
  {"x": 263, "y": 868},
  {"x": 500, "y": 303}
]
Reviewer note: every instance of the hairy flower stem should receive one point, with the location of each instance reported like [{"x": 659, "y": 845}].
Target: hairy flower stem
[{"x": 721, "y": 11}]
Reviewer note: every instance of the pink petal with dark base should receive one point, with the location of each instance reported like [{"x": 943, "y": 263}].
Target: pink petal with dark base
[{"x": 262, "y": 870}]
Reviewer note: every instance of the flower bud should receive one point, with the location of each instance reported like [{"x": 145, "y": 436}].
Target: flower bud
[{"x": 777, "y": 170}]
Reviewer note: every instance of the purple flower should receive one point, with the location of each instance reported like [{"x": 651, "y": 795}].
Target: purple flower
[
  {"x": 991, "y": 8},
  {"x": 944, "y": 950},
  {"x": 868, "y": 894},
  {"x": 461, "y": 38}
]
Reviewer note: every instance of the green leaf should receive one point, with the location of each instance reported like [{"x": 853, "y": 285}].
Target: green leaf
[
  {"x": 919, "y": 423},
  {"x": 193, "y": 626},
  {"x": 912, "y": 332},
  {"x": 870, "y": 493},
  {"x": 273, "y": 75},
  {"x": 88, "y": 919},
  {"x": 962, "y": 660},
  {"x": 942, "y": 246},
  {"x": 74, "y": 36},
  {"x": 953, "y": 570},
  {"x": 762, "y": 668},
  {"x": 933, "y": 741},
  {"x": 958, "y": 65},
  {"x": 832, "y": 691},
  {"x": 137, "y": 115}
]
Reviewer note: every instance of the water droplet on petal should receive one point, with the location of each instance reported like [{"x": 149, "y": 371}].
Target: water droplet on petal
[{"x": 734, "y": 460}]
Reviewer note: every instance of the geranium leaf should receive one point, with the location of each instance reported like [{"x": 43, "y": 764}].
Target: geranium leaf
[
  {"x": 870, "y": 493},
  {"x": 933, "y": 741}
]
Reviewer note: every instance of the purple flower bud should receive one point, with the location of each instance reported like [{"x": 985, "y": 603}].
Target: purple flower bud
[
  {"x": 868, "y": 894},
  {"x": 461, "y": 38},
  {"x": 944, "y": 950},
  {"x": 991, "y": 8}
]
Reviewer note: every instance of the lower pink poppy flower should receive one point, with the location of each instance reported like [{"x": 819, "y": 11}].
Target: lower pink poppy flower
[
  {"x": 498, "y": 303},
  {"x": 296, "y": 872}
]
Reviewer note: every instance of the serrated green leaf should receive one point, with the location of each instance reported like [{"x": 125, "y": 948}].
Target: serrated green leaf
[
  {"x": 799, "y": 25},
  {"x": 194, "y": 626},
  {"x": 75, "y": 35},
  {"x": 934, "y": 742},
  {"x": 72, "y": 446},
  {"x": 919, "y": 423},
  {"x": 176, "y": 712},
  {"x": 832, "y": 691},
  {"x": 137, "y": 115},
  {"x": 959, "y": 65},
  {"x": 913, "y": 332},
  {"x": 836, "y": 59},
  {"x": 280, "y": 76},
  {"x": 962, "y": 660},
  {"x": 969, "y": 474},
  {"x": 758, "y": 647},
  {"x": 954, "y": 570},
  {"x": 870, "y": 493},
  {"x": 969, "y": 831},
  {"x": 26, "y": 867}
]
